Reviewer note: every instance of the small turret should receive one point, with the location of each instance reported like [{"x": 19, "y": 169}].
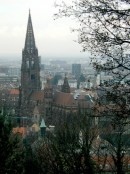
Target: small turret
[
  {"x": 43, "y": 128},
  {"x": 65, "y": 87}
]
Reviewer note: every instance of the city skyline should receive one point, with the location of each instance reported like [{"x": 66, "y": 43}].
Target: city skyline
[{"x": 53, "y": 37}]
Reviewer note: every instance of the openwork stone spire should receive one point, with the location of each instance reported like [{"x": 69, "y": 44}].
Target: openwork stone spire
[
  {"x": 30, "y": 69},
  {"x": 30, "y": 39}
]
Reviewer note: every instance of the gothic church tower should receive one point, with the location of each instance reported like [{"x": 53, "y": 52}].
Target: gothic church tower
[{"x": 30, "y": 69}]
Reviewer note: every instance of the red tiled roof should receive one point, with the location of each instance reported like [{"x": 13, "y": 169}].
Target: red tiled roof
[
  {"x": 64, "y": 99},
  {"x": 14, "y": 92},
  {"x": 20, "y": 130}
]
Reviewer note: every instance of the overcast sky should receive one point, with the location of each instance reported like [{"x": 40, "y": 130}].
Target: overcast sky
[{"x": 53, "y": 37}]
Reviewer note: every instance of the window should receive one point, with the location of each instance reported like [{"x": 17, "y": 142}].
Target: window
[
  {"x": 27, "y": 63},
  {"x": 32, "y": 77},
  {"x": 32, "y": 64}
]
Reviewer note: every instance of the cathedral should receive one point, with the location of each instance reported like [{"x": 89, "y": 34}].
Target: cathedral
[
  {"x": 49, "y": 103},
  {"x": 30, "y": 69}
]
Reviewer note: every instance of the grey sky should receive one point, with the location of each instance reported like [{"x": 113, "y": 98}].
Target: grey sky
[{"x": 53, "y": 37}]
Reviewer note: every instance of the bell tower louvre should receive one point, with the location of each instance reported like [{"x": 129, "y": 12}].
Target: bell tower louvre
[{"x": 30, "y": 69}]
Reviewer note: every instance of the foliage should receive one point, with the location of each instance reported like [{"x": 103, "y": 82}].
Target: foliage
[
  {"x": 12, "y": 151},
  {"x": 104, "y": 31},
  {"x": 64, "y": 151},
  {"x": 113, "y": 115}
]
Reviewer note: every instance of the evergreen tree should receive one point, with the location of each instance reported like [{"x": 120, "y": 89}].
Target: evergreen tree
[{"x": 12, "y": 152}]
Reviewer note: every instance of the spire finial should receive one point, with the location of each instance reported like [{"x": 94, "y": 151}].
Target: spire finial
[{"x": 29, "y": 10}]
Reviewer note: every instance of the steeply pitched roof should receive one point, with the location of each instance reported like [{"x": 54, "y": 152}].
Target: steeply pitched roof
[
  {"x": 42, "y": 123},
  {"x": 64, "y": 99}
]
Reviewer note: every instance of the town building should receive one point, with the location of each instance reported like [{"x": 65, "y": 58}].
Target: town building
[
  {"x": 30, "y": 73},
  {"x": 31, "y": 103},
  {"x": 76, "y": 70}
]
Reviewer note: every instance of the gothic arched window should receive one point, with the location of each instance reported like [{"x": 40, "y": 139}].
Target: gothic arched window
[
  {"x": 32, "y": 64},
  {"x": 27, "y": 63}
]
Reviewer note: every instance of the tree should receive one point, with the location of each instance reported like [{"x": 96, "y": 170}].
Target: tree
[
  {"x": 104, "y": 31},
  {"x": 12, "y": 152},
  {"x": 113, "y": 115},
  {"x": 68, "y": 149}
]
